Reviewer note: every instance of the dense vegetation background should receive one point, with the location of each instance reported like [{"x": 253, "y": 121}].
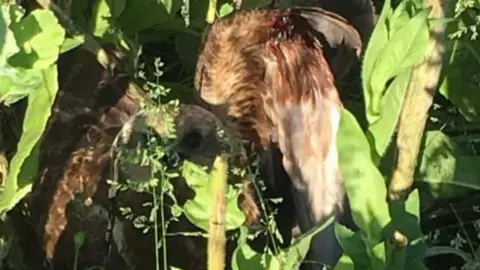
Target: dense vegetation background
[{"x": 437, "y": 224}]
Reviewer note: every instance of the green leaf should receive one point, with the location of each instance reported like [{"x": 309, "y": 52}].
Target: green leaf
[
  {"x": 78, "y": 12},
  {"x": 375, "y": 46},
  {"x": 168, "y": 5},
  {"x": 39, "y": 36},
  {"x": 345, "y": 263},
  {"x": 406, "y": 216},
  {"x": 226, "y": 9},
  {"x": 444, "y": 170},
  {"x": 252, "y": 4},
  {"x": 16, "y": 83},
  {"x": 381, "y": 131},
  {"x": 399, "y": 18},
  {"x": 71, "y": 43},
  {"x": 105, "y": 13},
  {"x": 406, "y": 219},
  {"x": 8, "y": 45},
  {"x": 406, "y": 48},
  {"x": 460, "y": 84},
  {"x": 244, "y": 257},
  {"x": 139, "y": 15},
  {"x": 353, "y": 246},
  {"x": 379, "y": 257},
  {"x": 186, "y": 47},
  {"x": 198, "y": 210},
  {"x": 195, "y": 175},
  {"x": 395, "y": 257},
  {"x": 369, "y": 209},
  {"x": 23, "y": 166},
  {"x": 100, "y": 21},
  {"x": 296, "y": 253}
]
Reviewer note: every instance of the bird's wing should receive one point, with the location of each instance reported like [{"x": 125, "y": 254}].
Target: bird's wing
[
  {"x": 336, "y": 29},
  {"x": 343, "y": 40}
]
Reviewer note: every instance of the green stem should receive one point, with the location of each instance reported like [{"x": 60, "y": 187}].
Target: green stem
[
  {"x": 212, "y": 10},
  {"x": 164, "y": 230},
  {"x": 216, "y": 239}
]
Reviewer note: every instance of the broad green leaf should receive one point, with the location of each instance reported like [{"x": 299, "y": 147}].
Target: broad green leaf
[
  {"x": 196, "y": 176},
  {"x": 406, "y": 215},
  {"x": 444, "y": 170},
  {"x": 8, "y": 45},
  {"x": 116, "y": 7},
  {"x": 132, "y": 49},
  {"x": 395, "y": 257},
  {"x": 39, "y": 36},
  {"x": 381, "y": 131},
  {"x": 168, "y": 5},
  {"x": 23, "y": 166},
  {"x": 376, "y": 45},
  {"x": 3, "y": 27},
  {"x": 363, "y": 182},
  {"x": 198, "y": 12},
  {"x": 296, "y": 253},
  {"x": 105, "y": 13},
  {"x": 225, "y": 9},
  {"x": 16, "y": 83},
  {"x": 460, "y": 84},
  {"x": 79, "y": 12},
  {"x": 345, "y": 263},
  {"x": 100, "y": 21},
  {"x": 71, "y": 43},
  {"x": 251, "y": 4},
  {"x": 244, "y": 257},
  {"x": 418, "y": 3},
  {"x": 406, "y": 219},
  {"x": 399, "y": 17},
  {"x": 353, "y": 246},
  {"x": 186, "y": 47},
  {"x": 406, "y": 48},
  {"x": 139, "y": 15},
  {"x": 379, "y": 256},
  {"x": 250, "y": 258},
  {"x": 198, "y": 209}
]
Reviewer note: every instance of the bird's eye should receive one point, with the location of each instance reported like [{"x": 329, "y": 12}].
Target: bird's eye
[{"x": 193, "y": 139}]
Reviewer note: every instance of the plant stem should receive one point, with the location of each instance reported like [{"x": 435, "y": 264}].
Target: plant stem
[
  {"x": 155, "y": 231},
  {"x": 418, "y": 100},
  {"x": 162, "y": 217},
  {"x": 216, "y": 239}
]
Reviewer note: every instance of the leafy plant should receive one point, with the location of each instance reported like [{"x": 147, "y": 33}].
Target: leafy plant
[
  {"x": 28, "y": 69},
  {"x": 389, "y": 234}
]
